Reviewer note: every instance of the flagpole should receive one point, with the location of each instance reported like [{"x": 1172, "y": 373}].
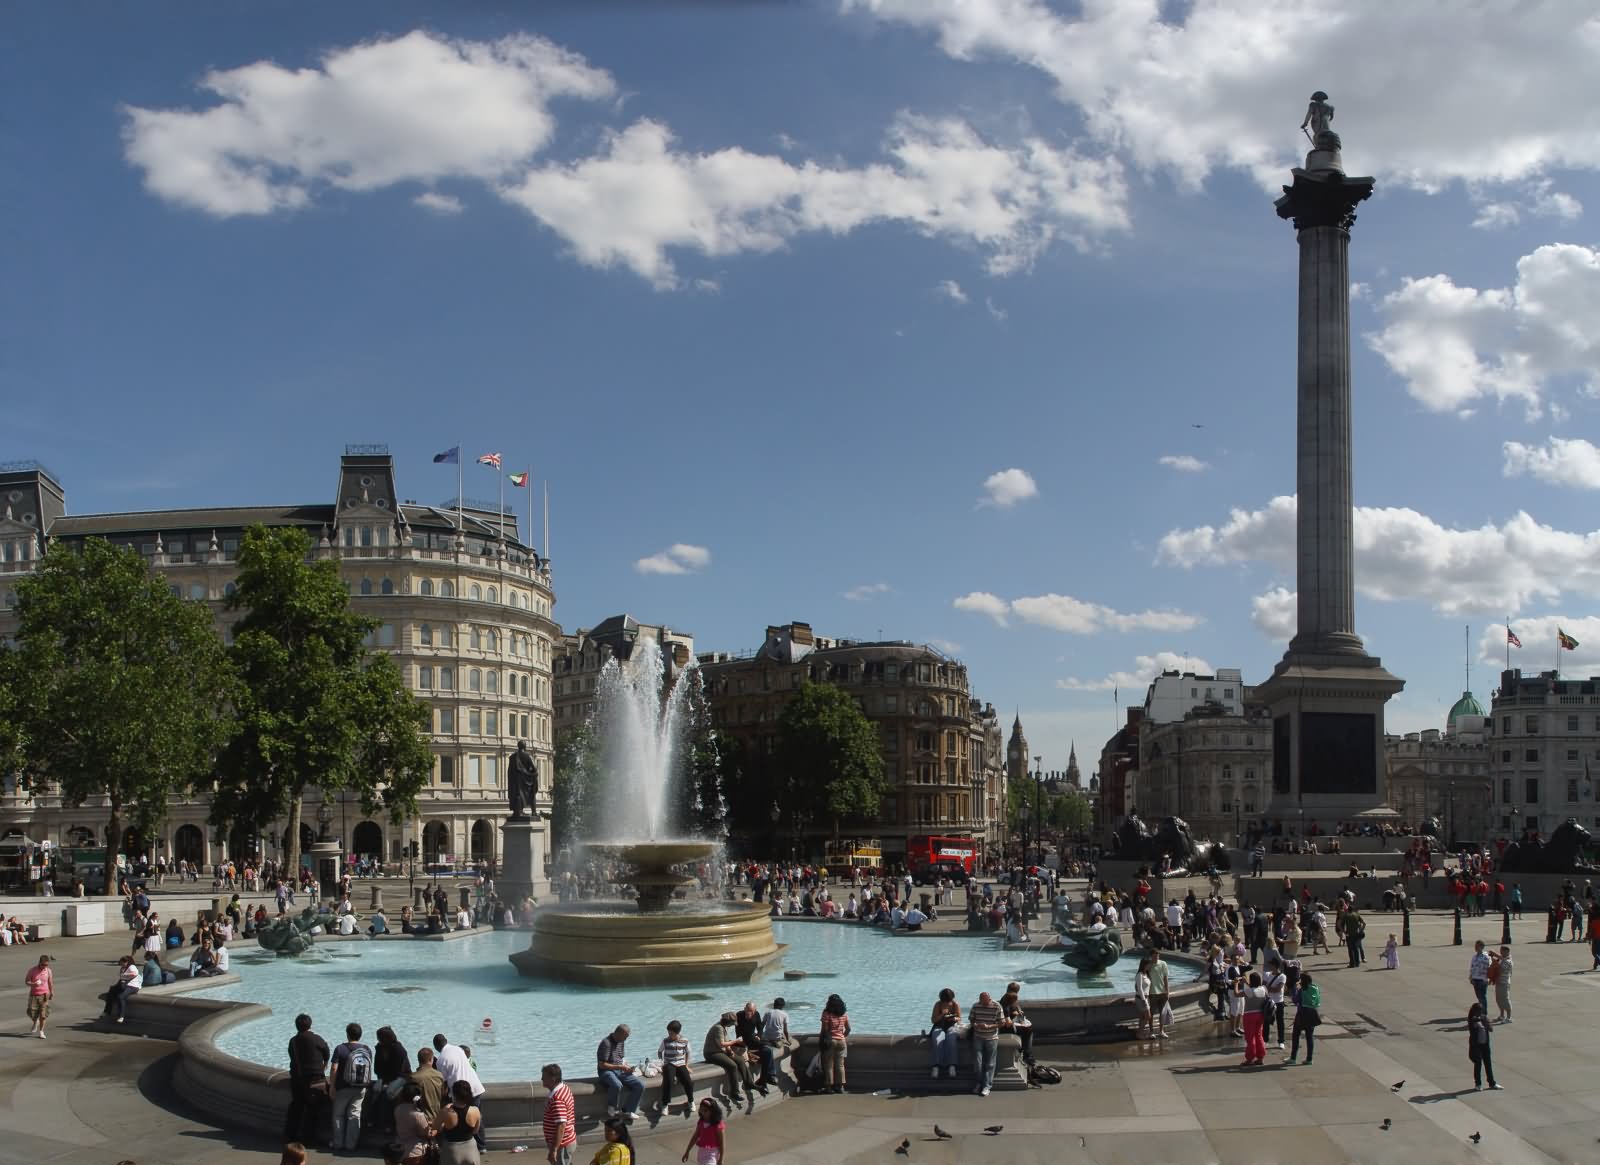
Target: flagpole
[
  {"x": 1508, "y": 642},
  {"x": 501, "y": 471},
  {"x": 547, "y": 520},
  {"x": 528, "y": 481},
  {"x": 461, "y": 487}
]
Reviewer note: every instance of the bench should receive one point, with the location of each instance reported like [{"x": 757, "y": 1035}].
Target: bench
[{"x": 35, "y": 931}]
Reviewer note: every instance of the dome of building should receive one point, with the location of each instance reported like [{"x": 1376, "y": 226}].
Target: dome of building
[{"x": 1466, "y": 706}]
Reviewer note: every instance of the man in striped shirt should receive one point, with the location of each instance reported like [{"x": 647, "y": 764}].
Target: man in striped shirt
[
  {"x": 985, "y": 1016},
  {"x": 560, "y": 1117}
]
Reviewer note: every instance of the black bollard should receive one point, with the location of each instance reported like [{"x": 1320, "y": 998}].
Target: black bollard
[
  {"x": 1505, "y": 926},
  {"x": 1405, "y": 927},
  {"x": 1457, "y": 939}
]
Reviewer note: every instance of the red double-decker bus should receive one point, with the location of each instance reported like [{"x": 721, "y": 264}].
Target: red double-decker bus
[{"x": 929, "y": 857}]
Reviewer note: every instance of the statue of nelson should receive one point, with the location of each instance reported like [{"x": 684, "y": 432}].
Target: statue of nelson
[{"x": 523, "y": 778}]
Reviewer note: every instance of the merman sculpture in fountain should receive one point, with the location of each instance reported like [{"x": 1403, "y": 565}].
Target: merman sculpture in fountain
[
  {"x": 655, "y": 940},
  {"x": 1094, "y": 951}
]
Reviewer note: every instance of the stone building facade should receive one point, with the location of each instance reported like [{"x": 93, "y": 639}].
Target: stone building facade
[
  {"x": 466, "y": 608},
  {"x": 1543, "y": 737},
  {"x": 581, "y": 655},
  {"x": 938, "y": 741},
  {"x": 1213, "y": 768},
  {"x": 1444, "y": 775}
]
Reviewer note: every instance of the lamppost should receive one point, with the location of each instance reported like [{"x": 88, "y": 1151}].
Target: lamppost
[
  {"x": 1451, "y": 827},
  {"x": 1038, "y": 816}
]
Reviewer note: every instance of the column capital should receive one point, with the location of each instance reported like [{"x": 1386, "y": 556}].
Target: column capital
[{"x": 1323, "y": 198}]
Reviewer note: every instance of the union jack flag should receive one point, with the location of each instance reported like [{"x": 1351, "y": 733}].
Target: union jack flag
[{"x": 490, "y": 459}]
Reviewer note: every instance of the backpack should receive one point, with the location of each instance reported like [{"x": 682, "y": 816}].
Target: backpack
[
  {"x": 1040, "y": 1074},
  {"x": 356, "y": 1069}
]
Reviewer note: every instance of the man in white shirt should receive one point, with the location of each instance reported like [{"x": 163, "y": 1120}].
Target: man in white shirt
[
  {"x": 347, "y": 924},
  {"x": 463, "y": 919},
  {"x": 914, "y": 918},
  {"x": 222, "y": 957},
  {"x": 453, "y": 1065},
  {"x": 1174, "y": 915}
]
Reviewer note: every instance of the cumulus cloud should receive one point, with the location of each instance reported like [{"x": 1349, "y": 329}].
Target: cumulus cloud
[
  {"x": 984, "y": 603},
  {"x": 1184, "y": 463},
  {"x": 951, "y": 290},
  {"x": 1540, "y": 199},
  {"x": 1403, "y": 555},
  {"x": 1073, "y": 616},
  {"x": 1190, "y": 87},
  {"x": 439, "y": 203},
  {"x": 1456, "y": 345},
  {"x": 1008, "y": 487},
  {"x": 417, "y": 108},
  {"x": 946, "y": 646},
  {"x": 1145, "y": 669},
  {"x": 642, "y": 196},
  {"x": 679, "y": 558},
  {"x": 1276, "y": 614},
  {"x": 996, "y": 313},
  {"x": 867, "y": 591},
  {"x": 1565, "y": 461}
]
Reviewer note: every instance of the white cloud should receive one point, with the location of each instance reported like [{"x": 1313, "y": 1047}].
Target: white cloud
[
  {"x": 1539, "y": 198},
  {"x": 1403, "y": 555},
  {"x": 998, "y": 314},
  {"x": 1073, "y": 616},
  {"x": 439, "y": 203},
  {"x": 1145, "y": 669},
  {"x": 1359, "y": 291},
  {"x": 1008, "y": 487},
  {"x": 641, "y": 197},
  {"x": 951, "y": 290},
  {"x": 414, "y": 109},
  {"x": 867, "y": 591},
  {"x": 1562, "y": 461},
  {"x": 679, "y": 558},
  {"x": 1453, "y": 345},
  {"x": 1276, "y": 614},
  {"x": 1538, "y": 650},
  {"x": 946, "y": 646},
  {"x": 1184, "y": 463},
  {"x": 708, "y": 286},
  {"x": 1210, "y": 83},
  {"x": 984, "y": 603}
]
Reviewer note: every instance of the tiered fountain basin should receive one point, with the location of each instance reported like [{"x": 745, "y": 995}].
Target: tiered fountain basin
[{"x": 656, "y": 942}]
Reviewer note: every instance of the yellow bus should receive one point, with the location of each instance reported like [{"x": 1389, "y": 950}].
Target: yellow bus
[{"x": 864, "y": 853}]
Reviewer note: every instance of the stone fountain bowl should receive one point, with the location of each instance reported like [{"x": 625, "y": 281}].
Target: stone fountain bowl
[{"x": 656, "y": 855}]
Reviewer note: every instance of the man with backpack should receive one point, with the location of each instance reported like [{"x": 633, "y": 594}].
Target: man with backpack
[{"x": 352, "y": 1076}]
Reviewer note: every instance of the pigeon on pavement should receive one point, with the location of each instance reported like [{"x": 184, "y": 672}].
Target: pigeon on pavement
[
  {"x": 1475, "y": 1138},
  {"x": 904, "y": 1147},
  {"x": 993, "y": 1130},
  {"x": 1396, "y": 1087},
  {"x": 1386, "y": 1125},
  {"x": 941, "y": 1134}
]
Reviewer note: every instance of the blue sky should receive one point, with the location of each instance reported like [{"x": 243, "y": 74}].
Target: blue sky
[{"x": 788, "y": 284}]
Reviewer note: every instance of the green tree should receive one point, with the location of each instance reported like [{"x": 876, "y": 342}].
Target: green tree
[
  {"x": 829, "y": 765},
  {"x": 696, "y": 803},
  {"x": 117, "y": 687},
  {"x": 1069, "y": 813},
  {"x": 575, "y": 790},
  {"x": 316, "y": 707}
]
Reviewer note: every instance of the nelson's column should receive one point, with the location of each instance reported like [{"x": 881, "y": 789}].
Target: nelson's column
[{"x": 1326, "y": 695}]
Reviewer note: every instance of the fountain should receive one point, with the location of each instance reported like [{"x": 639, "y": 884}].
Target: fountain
[{"x": 656, "y": 940}]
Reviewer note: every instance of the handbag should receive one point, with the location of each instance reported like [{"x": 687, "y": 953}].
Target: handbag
[{"x": 1166, "y": 1014}]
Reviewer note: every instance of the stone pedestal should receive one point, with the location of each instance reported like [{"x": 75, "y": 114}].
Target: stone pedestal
[
  {"x": 524, "y": 844},
  {"x": 85, "y": 918}
]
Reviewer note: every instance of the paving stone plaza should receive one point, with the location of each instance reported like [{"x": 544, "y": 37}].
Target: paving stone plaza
[{"x": 91, "y": 1095}]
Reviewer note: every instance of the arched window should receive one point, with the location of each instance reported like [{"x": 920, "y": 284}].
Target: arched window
[
  {"x": 366, "y": 586},
  {"x": 474, "y": 680},
  {"x": 447, "y": 678},
  {"x": 197, "y": 590},
  {"x": 476, "y": 592},
  {"x": 387, "y": 586},
  {"x": 447, "y": 636},
  {"x": 491, "y": 682},
  {"x": 1227, "y": 772},
  {"x": 425, "y": 635},
  {"x": 492, "y": 639},
  {"x": 477, "y": 640},
  {"x": 228, "y": 589},
  {"x": 447, "y": 589},
  {"x": 524, "y": 685},
  {"x": 425, "y": 587},
  {"x": 386, "y": 635},
  {"x": 494, "y": 594}
]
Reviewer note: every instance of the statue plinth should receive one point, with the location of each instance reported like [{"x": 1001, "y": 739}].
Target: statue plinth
[{"x": 524, "y": 841}]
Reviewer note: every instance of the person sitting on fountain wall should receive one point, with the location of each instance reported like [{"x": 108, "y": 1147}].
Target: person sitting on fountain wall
[
  {"x": 723, "y": 1049},
  {"x": 748, "y": 1024},
  {"x": 380, "y": 924},
  {"x": 914, "y": 918},
  {"x": 851, "y": 909},
  {"x": 623, "y": 1086}
]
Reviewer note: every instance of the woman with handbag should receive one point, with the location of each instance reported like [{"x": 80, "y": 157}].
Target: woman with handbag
[
  {"x": 1306, "y": 1018},
  {"x": 944, "y": 1033}
]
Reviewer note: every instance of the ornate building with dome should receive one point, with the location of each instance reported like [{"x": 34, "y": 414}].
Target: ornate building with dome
[{"x": 1444, "y": 774}]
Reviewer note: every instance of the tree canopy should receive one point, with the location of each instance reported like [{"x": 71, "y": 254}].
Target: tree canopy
[
  {"x": 575, "y": 790},
  {"x": 829, "y": 766},
  {"x": 316, "y": 707},
  {"x": 116, "y": 688}
]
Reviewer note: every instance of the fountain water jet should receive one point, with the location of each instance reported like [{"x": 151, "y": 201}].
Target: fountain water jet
[{"x": 657, "y": 940}]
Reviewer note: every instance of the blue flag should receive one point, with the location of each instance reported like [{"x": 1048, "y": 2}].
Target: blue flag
[{"x": 448, "y": 457}]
